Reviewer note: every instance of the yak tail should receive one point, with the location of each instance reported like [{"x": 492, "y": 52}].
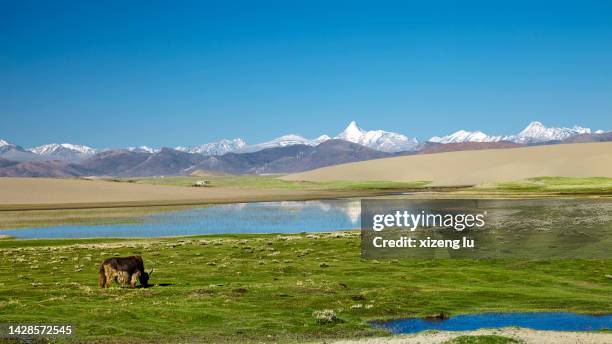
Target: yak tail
[{"x": 101, "y": 277}]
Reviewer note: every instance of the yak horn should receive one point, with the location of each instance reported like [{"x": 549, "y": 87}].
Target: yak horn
[{"x": 150, "y": 272}]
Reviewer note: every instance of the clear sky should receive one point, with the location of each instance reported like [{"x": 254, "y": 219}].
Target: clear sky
[{"x": 121, "y": 73}]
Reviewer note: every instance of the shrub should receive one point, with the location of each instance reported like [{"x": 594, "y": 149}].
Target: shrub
[{"x": 326, "y": 316}]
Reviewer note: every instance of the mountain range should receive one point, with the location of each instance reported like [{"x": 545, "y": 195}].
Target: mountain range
[
  {"x": 534, "y": 133},
  {"x": 375, "y": 139},
  {"x": 286, "y": 154}
]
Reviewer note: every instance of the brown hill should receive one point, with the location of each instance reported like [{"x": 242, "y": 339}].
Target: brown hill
[
  {"x": 290, "y": 159},
  {"x": 166, "y": 162},
  {"x": 43, "y": 169},
  {"x": 114, "y": 162},
  {"x": 589, "y": 138}
]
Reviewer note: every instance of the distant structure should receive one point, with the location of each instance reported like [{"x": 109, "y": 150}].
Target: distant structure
[{"x": 202, "y": 183}]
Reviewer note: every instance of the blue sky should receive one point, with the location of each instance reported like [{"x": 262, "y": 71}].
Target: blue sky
[{"x": 113, "y": 73}]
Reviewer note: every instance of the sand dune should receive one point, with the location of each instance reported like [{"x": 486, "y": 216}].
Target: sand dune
[{"x": 477, "y": 167}]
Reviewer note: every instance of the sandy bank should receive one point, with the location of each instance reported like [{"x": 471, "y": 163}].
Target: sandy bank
[{"x": 525, "y": 335}]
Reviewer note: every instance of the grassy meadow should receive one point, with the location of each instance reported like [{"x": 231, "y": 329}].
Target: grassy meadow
[
  {"x": 266, "y": 288},
  {"x": 273, "y": 182},
  {"x": 556, "y": 185}
]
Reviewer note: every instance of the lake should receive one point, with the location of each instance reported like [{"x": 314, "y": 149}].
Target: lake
[
  {"x": 262, "y": 217},
  {"x": 518, "y": 228},
  {"x": 548, "y": 321}
]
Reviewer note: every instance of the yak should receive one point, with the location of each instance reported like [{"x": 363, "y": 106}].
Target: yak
[{"x": 124, "y": 270}]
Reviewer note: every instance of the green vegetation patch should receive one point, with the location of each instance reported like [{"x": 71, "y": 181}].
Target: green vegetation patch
[
  {"x": 558, "y": 185},
  {"x": 484, "y": 339},
  {"x": 273, "y": 182},
  {"x": 88, "y": 217},
  {"x": 272, "y": 288}
]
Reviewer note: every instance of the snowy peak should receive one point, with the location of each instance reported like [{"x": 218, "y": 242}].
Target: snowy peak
[
  {"x": 321, "y": 139},
  {"x": 11, "y": 151},
  {"x": 466, "y": 136},
  {"x": 283, "y": 141},
  {"x": 352, "y": 133},
  {"x": 536, "y": 132},
  {"x": 54, "y": 148},
  {"x": 6, "y": 146},
  {"x": 216, "y": 148},
  {"x": 240, "y": 146},
  {"x": 143, "y": 149},
  {"x": 63, "y": 151},
  {"x": 377, "y": 139}
]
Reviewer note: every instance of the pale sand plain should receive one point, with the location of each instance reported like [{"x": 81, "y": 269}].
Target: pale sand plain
[
  {"x": 52, "y": 193},
  {"x": 476, "y": 167}
]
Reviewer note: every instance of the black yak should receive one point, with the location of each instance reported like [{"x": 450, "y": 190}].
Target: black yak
[{"x": 126, "y": 270}]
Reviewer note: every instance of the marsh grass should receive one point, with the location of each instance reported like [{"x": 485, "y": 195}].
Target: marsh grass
[
  {"x": 555, "y": 185},
  {"x": 94, "y": 216},
  {"x": 266, "y": 288}
]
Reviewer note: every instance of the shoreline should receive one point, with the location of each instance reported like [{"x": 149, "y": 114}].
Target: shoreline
[
  {"x": 272, "y": 196},
  {"x": 525, "y": 335},
  {"x": 456, "y": 192}
]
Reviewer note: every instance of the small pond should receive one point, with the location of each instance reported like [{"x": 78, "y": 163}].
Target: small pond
[{"x": 551, "y": 321}]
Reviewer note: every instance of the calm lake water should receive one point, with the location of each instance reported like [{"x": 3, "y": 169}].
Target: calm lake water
[
  {"x": 536, "y": 321},
  {"x": 570, "y": 226},
  {"x": 263, "y": 217}
]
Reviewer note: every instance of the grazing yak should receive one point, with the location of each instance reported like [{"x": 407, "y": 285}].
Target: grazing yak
[{"x": 126, "y": 270}]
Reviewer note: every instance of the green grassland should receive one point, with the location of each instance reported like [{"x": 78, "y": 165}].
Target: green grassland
[
  {"x": 273, "y": 182},
  {"x": 265, "y": 288},
  {"x": 555, "y": 185},
  {"x": 533, "y": 186},
  {"x": 93, "y": 216}
]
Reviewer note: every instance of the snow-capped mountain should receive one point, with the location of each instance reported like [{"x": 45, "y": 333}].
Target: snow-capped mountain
[
  {"x": 240, "y": 146},
  {"x": 378, "y": 139},
  {"x": 536, "y": 132},
  {"x": 466, "y": 136},
  {"x": 11, "y": 151},
  {"x": 321, "y": 139},
  {"x": 5, "y": 146},
  {"x": 283, "y": 141},
  {"x": 143, "y": 149},
  {"x": 215, "y": 148},
  {"x": 63, "y": 151}
]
